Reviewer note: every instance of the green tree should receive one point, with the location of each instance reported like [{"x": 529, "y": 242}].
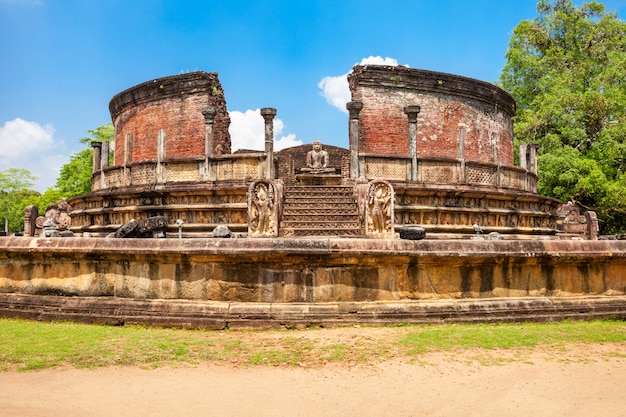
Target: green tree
[
  {"x": 565, "y": 69},
  {"x": 75, "y": 176},
  {"x": 15, "y": 189}
]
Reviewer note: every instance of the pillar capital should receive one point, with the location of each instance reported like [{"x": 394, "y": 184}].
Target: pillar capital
[
  {"x": 412, "y": 112},
  {"x": 354, "y": 107},
  {"x": 96, "y": 145},
  {"x": 268, "y": 113},
  {"x": 209, "y": 113}
]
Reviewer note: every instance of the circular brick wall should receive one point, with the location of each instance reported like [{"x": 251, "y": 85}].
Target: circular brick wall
[
  {"x": 172, "y": 105},
  {"x": 460, "y": 117}
]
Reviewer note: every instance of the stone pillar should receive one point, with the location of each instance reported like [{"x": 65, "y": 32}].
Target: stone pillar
[
  {"x": 354, "y": 107},
  {"x": 460, "y": 153},
  {"x": 523, "y": 155},
  {"x": 104, "y": 158},
  {"x": 97, "y": 156},
  {"x": 268, "y": 114},
  {"x": 412, "y": 112},
  {"x": 593, "y": 228},
  {"x": 532, "y": 157},
  {"x": 209, "y": 113},
  {"x": 160, "y": 174},
  {"x": 30, "y": 219}
]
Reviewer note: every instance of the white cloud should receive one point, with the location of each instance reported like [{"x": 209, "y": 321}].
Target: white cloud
[
  {"x": 29, "y": 145},
  {"x": 247, "y": 131},
  {"x": 335, "y": 89}
]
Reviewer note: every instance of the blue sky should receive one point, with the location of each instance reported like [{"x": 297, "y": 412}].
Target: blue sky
[{"x": 63, "y": 60}]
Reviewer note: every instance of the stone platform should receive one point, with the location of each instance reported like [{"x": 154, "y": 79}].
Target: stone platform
[
  {"x": 231, "y": 315},
  {"x": 310, "y": 269}
]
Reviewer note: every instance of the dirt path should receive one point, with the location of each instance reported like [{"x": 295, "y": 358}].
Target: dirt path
[{"x": 442, "y": 387}]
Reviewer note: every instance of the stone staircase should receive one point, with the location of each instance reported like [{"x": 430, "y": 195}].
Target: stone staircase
[{"x": 320, "y": 210}]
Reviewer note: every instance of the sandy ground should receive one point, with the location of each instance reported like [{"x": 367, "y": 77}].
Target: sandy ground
[{"x": 439, "y": 386}]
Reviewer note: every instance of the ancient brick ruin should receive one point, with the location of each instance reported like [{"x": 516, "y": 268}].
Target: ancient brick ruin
[
  {"x": 423, "y": 217},
  {"x": 443, "y": 142}
]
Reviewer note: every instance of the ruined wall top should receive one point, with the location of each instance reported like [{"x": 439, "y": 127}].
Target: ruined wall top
[
  {"x": 171, "y": 105},
  {"x": 401, "y": 77},
  {"x": 459, "y": 117}
]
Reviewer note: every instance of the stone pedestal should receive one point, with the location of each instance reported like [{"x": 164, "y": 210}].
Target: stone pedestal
[{"x": 318, "y": 179}]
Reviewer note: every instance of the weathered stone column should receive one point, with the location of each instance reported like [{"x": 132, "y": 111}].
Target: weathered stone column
[
  {"x": 209, "y": 113},
  {"x": 532, "y": 157},
  {"x": 160, "y": 171},
  {"x": 523, "y": 155},
  {"x": 354, "y": 107},
  {"x": 97, "y": 155},
  {"x": 104, "y": 155},
  {"x": 268, "y": 114},
  {"x": 412, "y": 112}
]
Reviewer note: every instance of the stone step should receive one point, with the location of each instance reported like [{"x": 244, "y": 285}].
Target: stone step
[
  {"x": 339, "y": 225},
  {"x": 320, "y": 211},
  {"x": 303, "y": 217},
  {"x": 323, "y": 190},
  {"x": 319, "y": 204},
  {"x": 311, "y": 232}
]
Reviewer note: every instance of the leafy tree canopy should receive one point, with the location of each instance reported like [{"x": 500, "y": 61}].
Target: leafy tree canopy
[
  {"x": 566, "y": 71},
  {"x": 75, "y": 176},
  {"x": 15, "y": 186},
  {"x": 74, "y": 179}
]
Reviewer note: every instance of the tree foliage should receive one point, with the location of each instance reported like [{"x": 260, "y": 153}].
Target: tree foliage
[
  {"x": 74, "y": 179},
  {"x": 566, "y": 69},
  {"x": 15, "y": 187},
  {"x": 75, "y": 176}
]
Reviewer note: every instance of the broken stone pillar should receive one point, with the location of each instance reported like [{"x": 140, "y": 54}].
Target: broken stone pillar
[
  {"x": 160, "y": 174},
  {"x": 412, "y": 112},
  {"x": 209, "y": 113},
  {"x": 268, "y": 114},
  {"x": 592, "y": 225},
  {"x": 104, "y": 158},
  {"x": 532, "y": 158},
  {"x": 30, "y": 218},
  {"x": 97, "y": 156},
  {"x": 523, "y": 155},
  {"x": 354, "y": 107}
]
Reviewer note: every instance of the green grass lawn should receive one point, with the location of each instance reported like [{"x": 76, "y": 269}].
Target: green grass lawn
[{"x": 30, "y": 345}]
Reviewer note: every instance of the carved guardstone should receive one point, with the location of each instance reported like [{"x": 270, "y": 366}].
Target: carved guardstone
[
  {"x": 264, "y": 203},
  {"x": 379, "y": 222}
]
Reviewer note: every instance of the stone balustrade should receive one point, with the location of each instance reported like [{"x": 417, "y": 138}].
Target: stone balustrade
[
  {"x": 232, "y": 167},
  {"x": 448, "y": 171}
]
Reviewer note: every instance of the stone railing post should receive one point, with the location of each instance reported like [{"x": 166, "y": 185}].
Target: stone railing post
[
  {"x": 97, "y": 156},
  {"x": 354, "y": 107},
  {"x": 104, "y": 155},
  {"x": 523, "y": 155},
  {"x": 412, "y": 112},
  {"x": 209, "y": 113},
  {"x": 268, "y": 114},
  {"x": 532, "y": 157}
]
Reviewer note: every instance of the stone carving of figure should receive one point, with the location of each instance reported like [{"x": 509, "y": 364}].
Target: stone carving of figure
[
  {"x": 380, "y": 208},
  {"x": 263, "y": 204},
  {"x": 317, "y": 159}
]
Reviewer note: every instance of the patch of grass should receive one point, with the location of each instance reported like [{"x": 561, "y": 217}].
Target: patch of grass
[
  {"x": 423, "y": 339},
  {"x": 29, "y": 345}
]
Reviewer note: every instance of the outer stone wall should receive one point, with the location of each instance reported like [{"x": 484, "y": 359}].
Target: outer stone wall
[
  {"x": 460, "y": 117},
  {"x": 310, "y": 270},
  {"x": 172, "y": 104}
]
